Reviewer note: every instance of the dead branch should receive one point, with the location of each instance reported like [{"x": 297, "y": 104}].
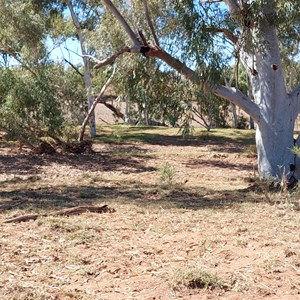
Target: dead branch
[
  {"x": 74, "y": 67},
  {"x": 150, "y": 23},
  {"x": 111, "y": 59},
  {"x": 116, "y": 111},
  {"x": 93, "y": 106},
  {"x": 82, "y": 209},
  {"x": 210, "y": 1},
  {"x": 23, "y": 218},
  {"x": 66, "y": 212},
  {"x": 142, "y": 37},
  {"x": 91, "y": 57}
]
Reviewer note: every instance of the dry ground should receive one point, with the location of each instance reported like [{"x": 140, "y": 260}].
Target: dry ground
[{"x": 187, "y": 224}]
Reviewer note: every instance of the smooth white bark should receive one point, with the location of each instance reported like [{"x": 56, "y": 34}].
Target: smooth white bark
[
  {"x": 87, "y": 71},
  {"x": 274, "y": 135}
]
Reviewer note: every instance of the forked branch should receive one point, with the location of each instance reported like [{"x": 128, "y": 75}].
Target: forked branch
[
  {"x": 150, "y": 23},
  {"x": 233, "y": 95},
  {"x": 112, "y": 58}
]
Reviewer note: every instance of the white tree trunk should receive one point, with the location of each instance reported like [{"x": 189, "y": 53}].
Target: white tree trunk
[
  {"x": 87, "y": 71},
  {"x": 274, "y": 134}
]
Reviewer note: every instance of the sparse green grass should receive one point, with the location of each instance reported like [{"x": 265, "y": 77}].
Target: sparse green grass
[
  {"x": 167, "y": 173},
  {"x": 154, "y": 134}
]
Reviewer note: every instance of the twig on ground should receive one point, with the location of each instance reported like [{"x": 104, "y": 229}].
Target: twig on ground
[{"x": 66, "y": 212}]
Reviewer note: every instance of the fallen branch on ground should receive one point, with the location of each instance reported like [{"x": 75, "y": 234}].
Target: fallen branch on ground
[{"x": 66, "y": 212}]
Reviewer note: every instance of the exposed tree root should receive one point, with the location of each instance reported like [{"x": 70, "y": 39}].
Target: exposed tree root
[{"x": 66, "y": 212}]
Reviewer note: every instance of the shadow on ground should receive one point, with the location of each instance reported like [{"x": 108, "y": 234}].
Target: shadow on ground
[
  {"x": 28, "y": 164},
  {"x": 114, "y": 193},
  {"x": 168, "y": 140}
]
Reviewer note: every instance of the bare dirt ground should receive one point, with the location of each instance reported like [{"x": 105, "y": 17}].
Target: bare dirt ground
[{"x": 188, "y": 223}]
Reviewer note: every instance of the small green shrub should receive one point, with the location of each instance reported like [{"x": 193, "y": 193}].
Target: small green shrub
[{"x": 167, "y": 173}]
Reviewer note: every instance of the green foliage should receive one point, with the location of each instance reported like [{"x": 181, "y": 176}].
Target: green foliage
[
  {"x": 296, "y": 150},
  {"x": 29, "y": 107},
  {"x": 167, "y": 173}
]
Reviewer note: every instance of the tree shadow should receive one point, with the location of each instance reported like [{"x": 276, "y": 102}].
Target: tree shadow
[
  {"x": 113, "y": 193},
  {"x": 217, "y": 163},
  {"x": 28, "y": 164},
  {"x": 218, "y": 143}
]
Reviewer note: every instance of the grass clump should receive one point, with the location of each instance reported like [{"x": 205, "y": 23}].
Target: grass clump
[
  {"x": 194, "y": 277},
  {"x": 167, "y": 173}
]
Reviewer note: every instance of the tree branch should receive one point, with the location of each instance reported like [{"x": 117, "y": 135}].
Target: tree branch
[
  {"x": 116, "y": 111},
  {"x": 66, "y": 212},
  {"x": 134, "y": 39},
  {"x": 233, "y": 95},
  {"x": 76, "y": 69},
  {"x": 112, "y": 58},
  {"x": 14, "y": 55},
  {"x": 93, "y": 106},
  {"x": 226, "y": 32},
  {"x": 150, "y": 23},
  {"x": 233, "y": 6}
]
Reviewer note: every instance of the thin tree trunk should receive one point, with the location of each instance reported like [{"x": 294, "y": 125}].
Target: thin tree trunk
[
  {"x": 87, "y": 72},
  {"x": 93, "y": 106}
]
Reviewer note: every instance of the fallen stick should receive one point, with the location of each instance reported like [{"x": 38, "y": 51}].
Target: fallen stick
[{"x": 66, "y": 212}]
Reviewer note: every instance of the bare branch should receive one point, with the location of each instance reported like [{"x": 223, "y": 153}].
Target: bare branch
[
  {"x": 116, "y": 111},
  {"x": 74, "y": 67},
  {"x": 97, "y": 61},
  {"x": 116, "y": 13},
  {"x": 66, "y": 212},
  {"x": 233, "y": 6},
  {"x": 142, "y": 37},
  {"x": 93, "y": 106},
  {"x": 226, "y": 32},
  {"x": 233, "y": 95},
  {"x": 210, "y": 1},
  {"x": 150, "y": 23},
  {"x": 112, "y": 58}
]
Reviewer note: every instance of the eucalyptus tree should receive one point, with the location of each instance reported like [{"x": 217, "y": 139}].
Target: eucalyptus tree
[
  {"x": 77, "y": 9},
  {"x": 28, "y": 106},
  {"x": 251, "y": 30},
  {"x": 38, "y": 97}
]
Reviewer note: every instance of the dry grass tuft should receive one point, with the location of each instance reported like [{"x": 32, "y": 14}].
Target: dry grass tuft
[{"x": 193, "y": 276}]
